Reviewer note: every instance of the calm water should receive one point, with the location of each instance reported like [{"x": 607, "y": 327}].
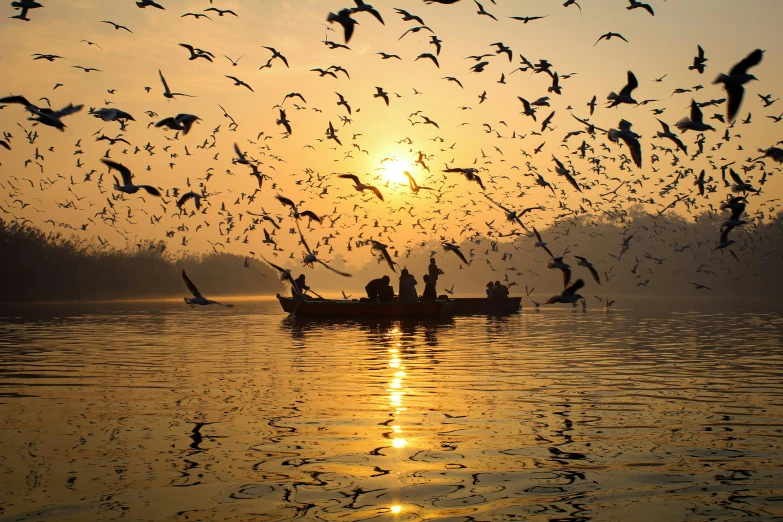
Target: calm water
[{"x": 158, "y": 412}]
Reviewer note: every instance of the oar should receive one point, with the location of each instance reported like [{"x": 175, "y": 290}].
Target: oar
[{"x": 316, "y": 293}]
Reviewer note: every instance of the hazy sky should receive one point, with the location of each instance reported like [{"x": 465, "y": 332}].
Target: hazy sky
[{"x": 661, "y": 45}]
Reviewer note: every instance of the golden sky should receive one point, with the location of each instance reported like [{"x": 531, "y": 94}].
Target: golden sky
[{"x": 661, "y": 45}]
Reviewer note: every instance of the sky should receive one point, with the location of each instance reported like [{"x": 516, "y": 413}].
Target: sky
[{"x": 379, "y": 141}]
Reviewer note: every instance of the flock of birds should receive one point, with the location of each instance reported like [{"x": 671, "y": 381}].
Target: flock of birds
[{"x": 491, "y": 189}]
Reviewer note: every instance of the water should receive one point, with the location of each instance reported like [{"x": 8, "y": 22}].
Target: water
[{"x": 153, "y": 411}]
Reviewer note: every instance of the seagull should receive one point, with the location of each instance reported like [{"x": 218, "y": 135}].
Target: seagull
[
  {"x": 361, "y": 7},
  {"x": 239, "y": 82},
  {"x": 452, "y": 79},
  {"x": 481, "y": 11},
  {"x": 310, "y": 258},
  {"x": 569, "y": 295},
  {"x": 233, "y": 62},
  {"x": 24, "y": 6},
  {"x": 430, "y": 56},
  {"x": 698, "y": 61},
  {"x": 406, "y": 16},
  {"x": 282, "y": 120},
  {"x": 197, "y": 298},
  {"x": 587, "y": 264},
  {"x": 149, "y": 3},
  {"x": 197, "y": 53},
  {"x": 296, "y": 213},
  {"x": 221, "y": 12},
  {"x": 625, "y": 93},
  {"x": 415, "y": 188},
  {"x": 557, "y": 263},
  {"x": 669, "y": 134},
  {"x": 276, "y": 54},
  {"x": 107, "y": 114},
  {"x": 181, "y": 122},
  {"x": 44, "y": 116},
  {"x": 127, "y": 182},
  {"x": 630, "y": 138},
  {"x": 609, "y": 36},
  {"x": 361, "y": 187},
  {"x": 739, "y": 185},
  {"x": 562, "y": 171},
  {"x": 382, "y": 94},
  {"x": 190, "y": 195},
  {"x": 384, "y": 250},
  {"x": 343, "y": 17},
  {"x": 285, "y": 276},
  {"x": 540, "y": 243},
  {"x": 635, "y": 5},
  {"x": 167, "y": 93},
  {"x": 736, "y": 79},
  {"x": 695, "y": 122},
  {"x": 117, "y": 27},
  {"x": 526, "y": 19},
  {"x": 451, "y": 247}
]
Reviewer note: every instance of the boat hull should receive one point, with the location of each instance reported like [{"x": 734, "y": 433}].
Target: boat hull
[
  {"x": 486, "y": 306},
  {"x": 354, "y": 308}
]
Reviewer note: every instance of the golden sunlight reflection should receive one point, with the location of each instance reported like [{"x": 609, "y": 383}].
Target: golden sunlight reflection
[
  {"x": 394, "y": 171},
  {"x": 396, "y": 509},
  {"x": 399, "y": 443}
]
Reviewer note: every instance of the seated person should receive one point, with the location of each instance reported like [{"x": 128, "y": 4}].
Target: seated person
[
  {"x": 429, "y": 289},
  {"x": 500, "y": 291},
  {"x": 407, "y": 290},
  {"x": 490, "y": 290},
  {"x": 299, "y": 287},
  {"x": 386, "y": 294},
  {"x": 374, "y": 287}
]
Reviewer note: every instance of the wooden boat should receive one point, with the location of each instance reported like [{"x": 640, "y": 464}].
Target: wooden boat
[
  {"x": 486, "y": 306},
  {"x": 355, "y": 308}
]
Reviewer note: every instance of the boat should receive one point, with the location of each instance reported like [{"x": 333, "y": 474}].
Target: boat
[
  {"x": 486, "y": 306},
  {"x": 348, "y": 308}
]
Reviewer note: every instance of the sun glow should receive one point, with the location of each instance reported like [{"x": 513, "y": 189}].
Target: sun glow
[{"x": 394, "y": 171}]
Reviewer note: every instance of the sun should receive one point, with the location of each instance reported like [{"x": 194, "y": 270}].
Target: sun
[{"x": 394, "y": 171}]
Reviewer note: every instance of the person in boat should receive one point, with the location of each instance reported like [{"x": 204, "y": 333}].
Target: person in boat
[
  {"x": 408, "y": 284},
  {"x": 299, "y": 288},
  {"x": 490, "y": 290},
  {"x": 378, "y": 289},
  {"x": 499, "y": 291},
  {"x": 429, "y": 289},
  {"x": 433, "y": 271}
]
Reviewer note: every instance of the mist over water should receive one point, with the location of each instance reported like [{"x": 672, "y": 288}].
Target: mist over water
[{"x": 657, "y": 410}]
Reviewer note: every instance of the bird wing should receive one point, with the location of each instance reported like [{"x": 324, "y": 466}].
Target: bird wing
[
  {"x": 595, "y": 274},
  {"x": 122, "y": 169},
  {"x": 636, "y": 150},
  {"x": 376, "y": 192},
  {"x": 571, "y": 290},
  {"x": 352, "y": 177},
  {"x": 736, "y": 93},
  {"x": 285, "y": 201},
  {"x": 752, "y": 59},
  {"x": 310, "y": 214},
  {"x": 163, "y": 80},
  {"x": 16, "y": 99},
  {"x": 567, "y": 279},
  {"x": 631, "y": 85},
  {"x": 344, "y": 274},
  {"x": 150, "y": 190},
  {"x": 736, "y": 177},
  {"x": 190, "y": 285},
  {"x": 181, "y": 201}
]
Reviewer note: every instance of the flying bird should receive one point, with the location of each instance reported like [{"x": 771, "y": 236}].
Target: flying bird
[{"x": 197, "y": 298}]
